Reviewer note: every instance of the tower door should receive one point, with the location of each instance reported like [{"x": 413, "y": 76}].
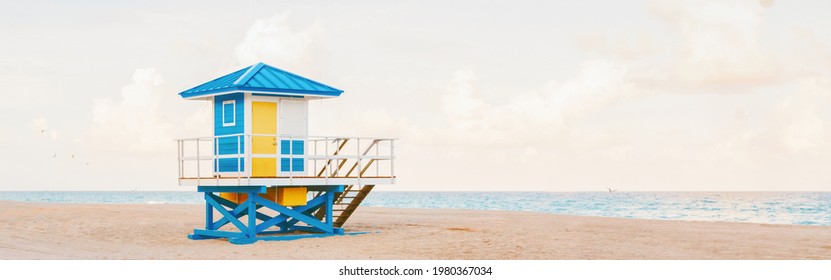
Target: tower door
[{"x": 264, "y": 121}]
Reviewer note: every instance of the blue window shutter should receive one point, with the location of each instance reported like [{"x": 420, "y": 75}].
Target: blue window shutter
[
  {"x": 284, "y": 147},
  {"x": 297, "y": 165},
  {"x": 297, "y": 147},
  {"x": 292, "y": 147}
]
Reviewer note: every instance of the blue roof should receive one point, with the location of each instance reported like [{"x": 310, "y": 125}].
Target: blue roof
[{"x": 262, "y": 78}]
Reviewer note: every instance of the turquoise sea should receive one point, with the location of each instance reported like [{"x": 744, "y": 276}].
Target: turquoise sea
[{"x": 803, "y": 208}]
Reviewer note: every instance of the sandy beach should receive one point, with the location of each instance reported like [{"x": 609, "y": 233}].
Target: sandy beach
[{"x": 77, "y": 231}]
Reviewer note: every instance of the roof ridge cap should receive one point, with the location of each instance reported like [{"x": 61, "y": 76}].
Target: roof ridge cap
[{"x": 252, "y": 70}]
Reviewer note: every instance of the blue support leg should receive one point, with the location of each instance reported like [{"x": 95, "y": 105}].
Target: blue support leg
[
  {"x": 209, "y": 215},
  {"x": 251, "y": 231},
  {"x": 252, "y": 215},
  {"x": 330, "y": 198}
]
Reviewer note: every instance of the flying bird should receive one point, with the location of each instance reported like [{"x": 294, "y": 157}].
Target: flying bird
[
  {"x": 611, "y": 190},
  {"x": 43, "y": 131}
]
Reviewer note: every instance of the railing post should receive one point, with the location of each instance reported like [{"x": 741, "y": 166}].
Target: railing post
[
  {"x": 216, "y": 155},
  {"x": 377, "y": 154},
  {"x": 239, "y": 158},
  {"x": 198, "y": 166},
  {"x": 179, "y": 154},
  {"x": 248, "y": 161},
  {"x": 392, "y": 158},
  {"x": 328, "y": 166},
  {"x": 291, "y": 160}
]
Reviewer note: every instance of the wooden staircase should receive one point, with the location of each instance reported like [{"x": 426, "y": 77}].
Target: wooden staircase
[{"x": 348, "y": 201}]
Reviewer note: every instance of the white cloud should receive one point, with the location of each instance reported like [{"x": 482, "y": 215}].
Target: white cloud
[
  {"x": 633, "y": 45},
  {"x": 460, "y": 104},
  {"x": 719, "y": 41},
  {"x": 535, "y": 116},
  {"x": 799, "y": 118},
  {"x": 133, "y": 122},
  {"x": 272, "y": 40}
]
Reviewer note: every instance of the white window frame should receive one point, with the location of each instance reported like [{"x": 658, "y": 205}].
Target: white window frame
[{"x": 233, "y": 114}]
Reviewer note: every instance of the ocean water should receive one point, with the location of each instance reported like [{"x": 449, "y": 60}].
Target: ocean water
[{"x": 803, "y": 208}]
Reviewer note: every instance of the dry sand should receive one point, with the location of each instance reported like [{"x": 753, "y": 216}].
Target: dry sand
[{"x": 120, "y": 231}]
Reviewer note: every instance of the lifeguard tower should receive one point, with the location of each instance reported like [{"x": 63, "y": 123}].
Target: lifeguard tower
[{"x": 261, "y": 171}]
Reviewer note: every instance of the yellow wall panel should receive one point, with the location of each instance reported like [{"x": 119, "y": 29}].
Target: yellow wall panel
[
  {"x": 229, "y": 196},
  {"x": 264, "y": 167},
  {"x": 291, "y": 196},
  {"x": 234, "y": 197},
  {"x": 270, "y": 194}
]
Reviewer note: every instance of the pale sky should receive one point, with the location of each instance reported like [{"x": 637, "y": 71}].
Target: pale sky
[{"x": 509, "y": 96}]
